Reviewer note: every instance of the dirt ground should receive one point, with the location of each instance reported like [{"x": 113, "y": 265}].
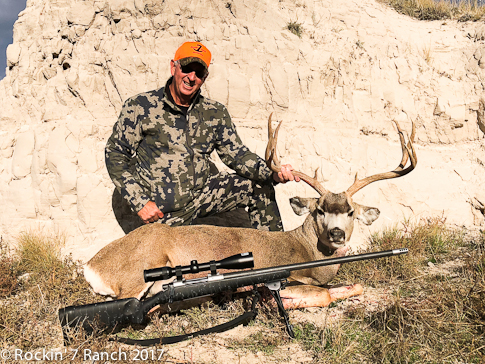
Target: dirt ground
[{"x": 220, "y": 348}]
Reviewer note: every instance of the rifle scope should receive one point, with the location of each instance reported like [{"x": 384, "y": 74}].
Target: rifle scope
[{"x": 238, "y": 261}]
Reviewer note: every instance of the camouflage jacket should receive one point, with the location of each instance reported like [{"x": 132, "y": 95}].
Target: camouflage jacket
[{"x": 158, "y": 153}]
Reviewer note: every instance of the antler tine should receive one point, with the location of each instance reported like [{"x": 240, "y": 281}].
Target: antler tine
[
  {"x": 273, "y": 162},
  {"x": 405, "y": 149},
  {"x": 408, "y": 153}
]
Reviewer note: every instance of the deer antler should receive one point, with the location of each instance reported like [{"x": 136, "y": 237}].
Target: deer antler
[
  {"x": 274, "y": 164},
  {"x": 407, "y": 152}
]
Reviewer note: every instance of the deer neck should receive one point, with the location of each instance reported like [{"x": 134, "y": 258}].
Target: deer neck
[{"x": 307, "y": 235}]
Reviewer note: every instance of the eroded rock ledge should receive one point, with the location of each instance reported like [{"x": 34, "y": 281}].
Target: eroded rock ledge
[{"x": 357, "y": 66}]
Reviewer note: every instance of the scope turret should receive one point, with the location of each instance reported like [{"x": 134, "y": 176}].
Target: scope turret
[{"x": 238, "y": 261}]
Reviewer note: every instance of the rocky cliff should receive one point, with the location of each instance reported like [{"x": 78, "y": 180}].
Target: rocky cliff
[{"x": 354, "y": 66}]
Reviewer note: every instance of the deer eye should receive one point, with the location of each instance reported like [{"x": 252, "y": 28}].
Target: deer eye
[
  {"x": 351, "y": 213},
  {"x": 320, "y": 211}
]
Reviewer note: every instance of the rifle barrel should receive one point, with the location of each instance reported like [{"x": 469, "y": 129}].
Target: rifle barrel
[
  {"x": 347, "y": 259},
  {"x": 323, "y": 262}
]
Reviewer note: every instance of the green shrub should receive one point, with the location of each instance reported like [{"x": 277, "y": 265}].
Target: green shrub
[{"x": 296, "y": 28}]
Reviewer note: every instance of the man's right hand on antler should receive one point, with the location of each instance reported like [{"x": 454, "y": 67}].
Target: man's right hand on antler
[{"x": 285, "y": 174}]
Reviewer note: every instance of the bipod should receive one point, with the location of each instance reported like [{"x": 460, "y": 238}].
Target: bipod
[{"x": 275, "y": 288}]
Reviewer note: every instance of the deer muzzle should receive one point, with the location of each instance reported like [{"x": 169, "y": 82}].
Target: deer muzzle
[{"x": 336, "y": 235}]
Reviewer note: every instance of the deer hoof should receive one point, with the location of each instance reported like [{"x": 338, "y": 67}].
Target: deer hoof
[{"x": 340, "y": 293}]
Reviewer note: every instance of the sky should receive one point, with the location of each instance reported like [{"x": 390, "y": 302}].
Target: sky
[{"x": 9, "y": 11}]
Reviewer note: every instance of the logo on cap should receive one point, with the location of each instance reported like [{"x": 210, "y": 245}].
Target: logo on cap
[
  {"x": 198, "y": 48},
  {"x": 193, "y": 52}
]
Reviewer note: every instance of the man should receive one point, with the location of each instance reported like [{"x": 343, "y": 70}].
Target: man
[{"x": 158, "y": 153}]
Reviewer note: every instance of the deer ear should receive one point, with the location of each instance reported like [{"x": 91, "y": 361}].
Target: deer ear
[
  {"x": 366, "y": 214},
  {"x": 303, "y": 205}
]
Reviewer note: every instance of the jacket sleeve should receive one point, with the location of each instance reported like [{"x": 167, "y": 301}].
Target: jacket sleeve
[
  {"x": 236, "y": 155},
  {"x": 120, "y": 151}
]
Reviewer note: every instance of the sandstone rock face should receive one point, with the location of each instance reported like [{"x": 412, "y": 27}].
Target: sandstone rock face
[{"x": 357, "y": 66}]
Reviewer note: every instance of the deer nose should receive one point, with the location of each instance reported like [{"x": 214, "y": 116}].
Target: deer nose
[{"x": 336, "y": 234}]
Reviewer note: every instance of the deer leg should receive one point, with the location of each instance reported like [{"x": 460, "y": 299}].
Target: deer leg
[
  {"x": 144, "y": 291},
  {"x": 313, "y": 296},
  {"x": 340, "y": 293}
]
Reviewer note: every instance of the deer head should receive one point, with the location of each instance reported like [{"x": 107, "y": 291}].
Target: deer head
[{"x": 332, "y": 215}]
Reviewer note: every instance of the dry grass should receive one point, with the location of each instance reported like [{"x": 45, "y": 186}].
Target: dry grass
[
  {"x": 428, "y": 241},
  {"x": 438, "y": 10},
  {"x": 8, "y": 271},
  {"x": 43, "y": 282},
  {"x": 427, "y": 54},
  {"x": 434, "y": 315}
]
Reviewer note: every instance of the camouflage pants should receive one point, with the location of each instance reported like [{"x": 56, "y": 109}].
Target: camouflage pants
[{"x": 226, "y": 192}]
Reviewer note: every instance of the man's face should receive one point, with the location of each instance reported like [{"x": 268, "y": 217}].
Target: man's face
[{"x": 187, "y": 80}]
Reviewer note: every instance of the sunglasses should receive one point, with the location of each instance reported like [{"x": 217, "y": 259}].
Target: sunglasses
[{"x": 199, "y": 73}]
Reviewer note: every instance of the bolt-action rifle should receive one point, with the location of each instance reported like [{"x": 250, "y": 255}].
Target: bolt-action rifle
[{"x": 133, "y": 311}]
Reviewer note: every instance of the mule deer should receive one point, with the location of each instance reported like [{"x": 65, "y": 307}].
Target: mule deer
[{"x": 117, "y": 269}]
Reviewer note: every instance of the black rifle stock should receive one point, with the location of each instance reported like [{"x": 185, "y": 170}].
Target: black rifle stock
[{"x": 133, "y": 311}]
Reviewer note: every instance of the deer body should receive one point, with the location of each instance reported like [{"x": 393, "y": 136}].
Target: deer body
[
  {"x": 172, "y": 246},
  {"x": 117, "y": 269}
]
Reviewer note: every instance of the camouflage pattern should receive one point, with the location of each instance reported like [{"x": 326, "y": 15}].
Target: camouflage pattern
[
  {"x": 159, "y": 153},
  {"x": 226, "y": 192}
]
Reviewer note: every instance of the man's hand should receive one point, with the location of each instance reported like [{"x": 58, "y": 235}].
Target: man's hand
[
  {"x": 285, "y": 174},
  {"x": 150, "y": 213}
]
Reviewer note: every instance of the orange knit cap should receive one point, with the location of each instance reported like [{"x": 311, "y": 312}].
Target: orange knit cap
[{"x": 193, "y": 52}]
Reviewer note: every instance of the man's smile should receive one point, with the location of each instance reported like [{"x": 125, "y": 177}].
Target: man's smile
[{"x": 188, "y": 84}]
